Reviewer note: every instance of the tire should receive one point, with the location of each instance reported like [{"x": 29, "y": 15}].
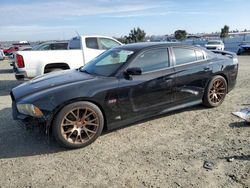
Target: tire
[
  {"x": 78, "y": 124},
  {"x": 215, "y": 92}
]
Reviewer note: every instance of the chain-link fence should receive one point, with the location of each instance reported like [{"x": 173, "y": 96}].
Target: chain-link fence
[{"x": 231, "y": 43}]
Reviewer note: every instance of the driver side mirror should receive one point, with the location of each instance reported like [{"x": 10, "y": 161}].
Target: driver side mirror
[{"x": 134, "y": 71}]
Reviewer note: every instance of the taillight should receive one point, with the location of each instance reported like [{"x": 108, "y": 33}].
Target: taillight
[{"x": 20, "y": 61}]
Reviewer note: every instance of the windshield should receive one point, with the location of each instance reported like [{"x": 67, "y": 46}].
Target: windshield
[
  {"x": 214, "y": 42},
  {"x": 108, "y": 62},
  {"x": 43, "y": 46}
]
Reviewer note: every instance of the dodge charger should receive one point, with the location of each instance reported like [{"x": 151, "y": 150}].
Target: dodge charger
[{"x": 121, "y": 86}]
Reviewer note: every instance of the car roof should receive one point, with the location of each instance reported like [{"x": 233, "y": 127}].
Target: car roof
[
  {"x": 55, "y": 42},
  {"x": 144, "y": 45}
]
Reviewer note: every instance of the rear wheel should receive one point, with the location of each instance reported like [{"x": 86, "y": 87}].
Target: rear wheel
[
  {"x": 78, "y": 124},
  {"x": 215, "y": 92}
]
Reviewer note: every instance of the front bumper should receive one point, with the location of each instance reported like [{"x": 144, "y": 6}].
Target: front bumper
[
  {"x": 28, "y": 121},
  {"x": 24, "y": 120},
  {"x": 211, "y": 48}
]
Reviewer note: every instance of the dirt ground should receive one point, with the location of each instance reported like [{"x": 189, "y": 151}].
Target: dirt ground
[{"x": 167, "y": 151}]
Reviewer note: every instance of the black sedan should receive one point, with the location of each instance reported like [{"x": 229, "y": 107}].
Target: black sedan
[{"x": 124, "y": 85}]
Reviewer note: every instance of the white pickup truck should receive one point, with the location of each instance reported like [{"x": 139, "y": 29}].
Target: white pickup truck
[{"x": 81, "y": 50}]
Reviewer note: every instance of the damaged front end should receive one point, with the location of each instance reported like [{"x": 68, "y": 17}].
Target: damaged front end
[{"x": 30, "y": 116}]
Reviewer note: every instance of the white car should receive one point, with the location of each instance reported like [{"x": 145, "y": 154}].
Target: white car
[
  {"x": 1, "y": 54},
  {"x": 215, "y": 45},
  {"x": 81, "y": 49}
]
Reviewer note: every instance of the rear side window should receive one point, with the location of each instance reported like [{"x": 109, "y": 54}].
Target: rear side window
[
  {"x": 106, "y": 44},
  {"x": 45, "y": 47},
  {"x": 59, "y": 46},
  {"x": 184, "y": 55},
  {"x": 91, "y": 43},
  {"x": 152, "y": 60},
  {"x": 199, "y": 55},
  {"x": 75, "y": 43}
]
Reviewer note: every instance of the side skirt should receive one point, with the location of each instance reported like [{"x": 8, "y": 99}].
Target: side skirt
[
  {"x": 134, "y": 120},
  {"x": 181, "y": 106}
]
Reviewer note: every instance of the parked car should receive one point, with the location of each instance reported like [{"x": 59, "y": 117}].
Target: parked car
[
  {"x": 244, "y": 49},
  {"x": 12, "y": 55},
  {"x": 29, "y": 64},
  {"x": 123, "y": 85},
  {"x": 10, "y": 50},
  {"x": 1, "y": 54},
  {"x": 54, "y": 45},
  {"x": 215, "y": 45}
]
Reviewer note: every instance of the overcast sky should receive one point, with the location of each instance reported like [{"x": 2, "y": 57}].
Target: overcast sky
[{"x": 60, "y": 19}]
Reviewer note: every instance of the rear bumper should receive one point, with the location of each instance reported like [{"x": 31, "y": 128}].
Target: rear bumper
[
  {"x": 232, "y": 77},
  {"x": 231, "y": 85},
  {"x": 20, "y": 75}
]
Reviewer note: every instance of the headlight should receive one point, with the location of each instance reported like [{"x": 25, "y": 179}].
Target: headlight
[{"x": 29, "y": 109}]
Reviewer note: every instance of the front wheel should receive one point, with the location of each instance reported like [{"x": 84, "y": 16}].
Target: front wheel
[
  {"x": 215, "y": 92},
  {"x": 78, "y": 124}
]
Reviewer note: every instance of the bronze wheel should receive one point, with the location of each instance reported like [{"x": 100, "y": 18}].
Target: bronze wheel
[
  {"x": 78, "y": 124},
  {"x": 215, "y": 92}
]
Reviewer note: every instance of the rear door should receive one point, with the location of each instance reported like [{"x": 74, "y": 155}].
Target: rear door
[{"x": 192, "y": 73}]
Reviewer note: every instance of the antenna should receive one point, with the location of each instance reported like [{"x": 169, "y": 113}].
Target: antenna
[{"x": 81, "y": 46}]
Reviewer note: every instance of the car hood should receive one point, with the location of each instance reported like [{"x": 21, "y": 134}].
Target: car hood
[{"x": 49, "y": 81}]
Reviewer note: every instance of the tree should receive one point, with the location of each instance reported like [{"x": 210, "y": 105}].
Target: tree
[
  {"x": 122, "y": 39},
  {"x": 136, "y": 35},
  {"x": 180, "y": 34},
  {"x": 224, "y": 31}
]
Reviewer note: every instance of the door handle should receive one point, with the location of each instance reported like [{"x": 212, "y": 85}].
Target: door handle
[
  {"x": 206, "y": 68},
  {"x": 167, "y": 79}
]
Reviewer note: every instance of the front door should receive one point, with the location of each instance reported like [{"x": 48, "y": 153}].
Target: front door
[{"x": 152, "y": 90}]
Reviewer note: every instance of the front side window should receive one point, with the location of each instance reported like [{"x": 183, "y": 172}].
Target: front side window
[
  {"x": 91, "y": 43},
  {"x": 106, "y": 44},
  {"x": 108, "y": 62},
  {"x": 184, "y": 55},
  {"x": 152, "y": 60}
]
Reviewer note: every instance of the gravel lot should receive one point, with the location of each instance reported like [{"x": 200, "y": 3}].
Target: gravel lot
[{"x": 167, "y": 151}]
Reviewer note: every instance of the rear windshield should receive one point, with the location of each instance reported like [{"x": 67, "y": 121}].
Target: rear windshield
[{"x": 74, "y": 43}]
